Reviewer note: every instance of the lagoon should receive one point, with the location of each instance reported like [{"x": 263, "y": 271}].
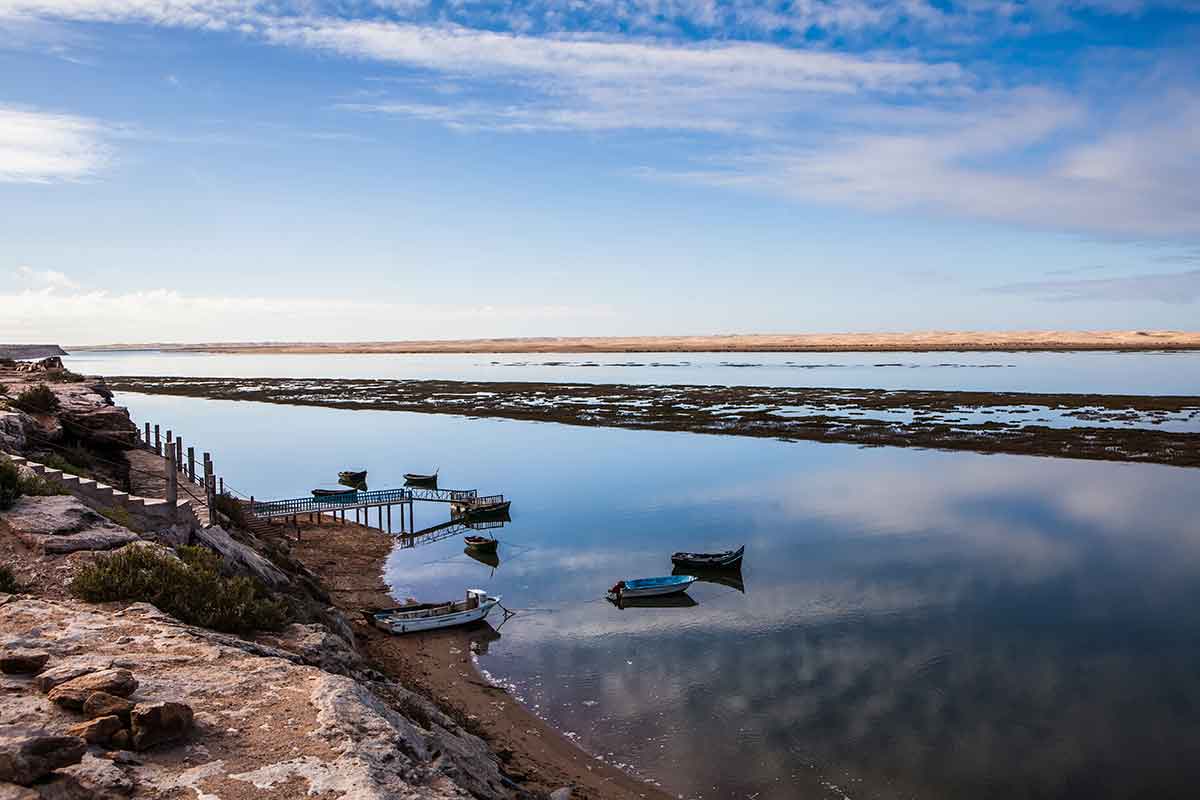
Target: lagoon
[{"x": 913, "y": 623}]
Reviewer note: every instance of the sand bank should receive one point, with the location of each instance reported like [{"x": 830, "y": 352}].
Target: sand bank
[{"x": 921, "y": 341}]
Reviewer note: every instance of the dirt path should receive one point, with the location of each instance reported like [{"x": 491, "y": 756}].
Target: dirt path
[{"x": 350, "y": 561}]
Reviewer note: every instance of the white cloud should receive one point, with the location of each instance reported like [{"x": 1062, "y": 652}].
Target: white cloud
[
  {"x": 982, "y": 160},
  {"x": 52, "y": 306},
  {"x": 879, "y": 130},
  {"x": 45, "y": 280},
  {"x": 39, "y": 147}
]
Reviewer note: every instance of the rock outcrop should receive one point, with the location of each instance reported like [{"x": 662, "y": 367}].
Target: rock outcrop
[
  {"x": 29, "y": 757},
  {"x": 64, "y": 525},
  {"x": 23, "y": 662},
  {"x": 261, "y": 725}
]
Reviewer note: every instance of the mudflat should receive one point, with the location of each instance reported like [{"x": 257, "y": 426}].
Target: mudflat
[
  {"x": 919, "y": 341},
  {"x": 349, "y": 559},
  {"x": 1141, "y": 428}
]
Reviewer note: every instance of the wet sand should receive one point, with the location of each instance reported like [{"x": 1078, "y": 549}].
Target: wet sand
[
  {"x": 1138, "y": 428},
  {"x": 349, "y": 560},
  {"x": 921, "y": 341}
]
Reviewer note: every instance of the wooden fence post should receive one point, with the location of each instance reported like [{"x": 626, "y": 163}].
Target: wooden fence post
[{"x": 172, "y": 477}]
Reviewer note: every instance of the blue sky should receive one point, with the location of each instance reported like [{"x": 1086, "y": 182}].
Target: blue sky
[{"x": 387, "y": 169}]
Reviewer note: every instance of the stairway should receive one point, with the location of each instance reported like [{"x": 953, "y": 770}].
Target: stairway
[{"x": 152, "y": 511}]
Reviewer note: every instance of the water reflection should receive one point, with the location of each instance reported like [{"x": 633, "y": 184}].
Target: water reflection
[
  {"x": 1102, "y": 372},
  {"x": 915, "y": 624}
]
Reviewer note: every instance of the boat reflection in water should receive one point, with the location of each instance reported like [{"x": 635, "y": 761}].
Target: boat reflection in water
[
  {"x": 679, "y": 600},
  {"x": 482, "y": 635},
  {"x": 489, "y": 557},
  {"x": 726, "y": 577}
]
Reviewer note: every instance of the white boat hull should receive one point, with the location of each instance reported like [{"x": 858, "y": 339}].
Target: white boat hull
[{"x": 400, "y": 623}]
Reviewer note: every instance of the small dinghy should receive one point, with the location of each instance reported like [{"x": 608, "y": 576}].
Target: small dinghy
[
  {"x": 335, "y": 494},
  {"x": 353, "y": 478},
  {"x": 489, "y": 509},
  {"x": 430, "y": 616},
  {"x": 481, "y": 543},
  {"x": 651, "y": 587},
  {"x": 417, "y": 479},
  {"x": 726, "y": 560}
]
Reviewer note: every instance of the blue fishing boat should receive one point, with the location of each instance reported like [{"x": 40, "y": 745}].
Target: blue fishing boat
[{"x": 651, "y": 587}]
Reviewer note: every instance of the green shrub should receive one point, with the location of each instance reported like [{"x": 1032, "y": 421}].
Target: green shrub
[
  {"x": 10, "y": 484},
  {"x": 8, "y": 581},
  {"x": 231, "y": 508},
  {"x": 189, "y": 587},
  {"x": 75, "y": 460},
  {"x": 37, "y": 486},
  {"x": 120, "y": 516},
  {"x": 64, "y": 376},
  {"x": 38, "y": 400},
  {"x": 3, "y": 389}
]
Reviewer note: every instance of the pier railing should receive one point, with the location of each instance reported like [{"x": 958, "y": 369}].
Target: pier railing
[{"x": 334, "y": 502}]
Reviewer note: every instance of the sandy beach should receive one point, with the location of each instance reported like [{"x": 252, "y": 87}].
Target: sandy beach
[
  {"x": 921, "y": 341},
  {"x": 349, "y": 559}
]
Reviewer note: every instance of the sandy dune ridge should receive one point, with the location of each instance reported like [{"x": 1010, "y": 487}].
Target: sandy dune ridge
[{"x": 926, "y": 341}]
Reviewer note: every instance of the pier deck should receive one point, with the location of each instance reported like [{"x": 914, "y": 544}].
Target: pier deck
[{"x": 360, "y": 504}]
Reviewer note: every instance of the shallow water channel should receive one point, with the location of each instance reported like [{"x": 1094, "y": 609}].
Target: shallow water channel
[{"x": 909, "y": 623}]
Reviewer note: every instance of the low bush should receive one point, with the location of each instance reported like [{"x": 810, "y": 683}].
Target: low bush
[
  {"x": 8, "y": 581},
  {"x": 38, "y": 400},
  {"x": 232, "y": 509},
  {"x": 10, "y": 485},
  {"x": 64, "y": 376},
  {"x": 190, "y": 587},
  {"x": 75, "y": 460},
  {"x": 120, "y": 516}
]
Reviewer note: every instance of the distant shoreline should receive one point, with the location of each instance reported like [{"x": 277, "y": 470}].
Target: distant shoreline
[{"x": 931, "y": 341}]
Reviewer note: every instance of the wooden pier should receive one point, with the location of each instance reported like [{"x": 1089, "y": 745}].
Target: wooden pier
[{"x": 360, "y": 503}]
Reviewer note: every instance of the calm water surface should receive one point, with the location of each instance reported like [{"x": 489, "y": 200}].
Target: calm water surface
[
  {"x": 913, "y": 624},
  {"x": 1100, "y": 372}
]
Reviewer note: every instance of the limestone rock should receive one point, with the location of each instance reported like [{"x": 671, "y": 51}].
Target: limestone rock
[
  {"x": 23, "y": 662},
  {"x": 11, "y": 791},
  {"x": 65, "y": 787},
  {"x": 14, "y": 427},
  {"x": 74, "y": 693},
  {"x": 62, "y": 524},
  {"x": 240, "y": 558},
  {"x": 44, "y": 365},
  {"x": 103, "y": 704},
  {"x": 70, "y": 669},
  {"x": 561, "y": 793},
  {"x": 318, "y": 646},
  {"x": 25, "y": 759},
  {"x": 52, "y": 516},
  {"x": 156, "y": 723},
  {"x": 97, "y": 731},
  {"x": 102, "y": 776}
]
